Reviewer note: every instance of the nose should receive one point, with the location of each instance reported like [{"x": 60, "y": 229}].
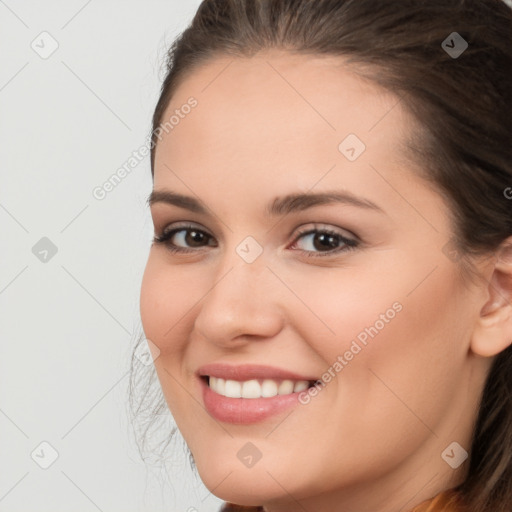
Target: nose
[{"x": 245, "y": 301}]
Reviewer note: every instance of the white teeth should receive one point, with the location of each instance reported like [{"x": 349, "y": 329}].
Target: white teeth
[
  {"x": 232, "y": 389},
  {"x": 256, "y": 389},
  {"x": 219, "y": 384},
  {"x": 286, "y": 387},
  {"x": 300, "y": 386},
  {"x": 251, "y": 389},
  {"x": 268, "y": 388}
]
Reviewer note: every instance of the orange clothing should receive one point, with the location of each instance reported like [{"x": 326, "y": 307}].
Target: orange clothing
[{"x": 446, "y": 501}]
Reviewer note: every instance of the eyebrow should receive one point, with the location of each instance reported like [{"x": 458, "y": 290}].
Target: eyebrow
[{"x": 279, "y": 206}]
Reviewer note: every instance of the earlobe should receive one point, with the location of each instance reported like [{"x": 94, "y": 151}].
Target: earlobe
[
  {"x": 492, "y": 334},
  {"x": 493, "y": 329}
]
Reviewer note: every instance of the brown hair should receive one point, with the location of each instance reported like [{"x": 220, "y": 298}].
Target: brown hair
[{"x": 463, "y": 106}]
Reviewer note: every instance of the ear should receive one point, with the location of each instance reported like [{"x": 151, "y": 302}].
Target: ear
[{"x": 493, "y": 329}]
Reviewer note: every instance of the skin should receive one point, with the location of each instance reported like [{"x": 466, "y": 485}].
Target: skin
[{"x": 372, "y": 438}]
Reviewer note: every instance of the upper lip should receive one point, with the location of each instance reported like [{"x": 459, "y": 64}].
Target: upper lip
[{"x": 249, "y": 371}]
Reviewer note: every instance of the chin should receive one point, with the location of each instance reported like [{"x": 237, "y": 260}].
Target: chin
[{"x": 240, "y": 485}]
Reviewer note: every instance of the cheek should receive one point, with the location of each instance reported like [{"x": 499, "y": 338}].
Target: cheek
[
  {"x": 167, "y": 299},
  {"x": 153, "y": 303},
  {"x": 406, "y": 313},
  {"x": 401, "y": 353},
  {"x": 341, "y": 310},
  {"x": 164, "y": 304},
  {"x": 388, "y": 346}
]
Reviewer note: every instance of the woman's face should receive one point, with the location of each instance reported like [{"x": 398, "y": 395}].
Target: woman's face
[{"x": 359, "y": 293}]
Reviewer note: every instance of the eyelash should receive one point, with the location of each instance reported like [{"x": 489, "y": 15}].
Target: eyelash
[{"x": 349, "y": 244}]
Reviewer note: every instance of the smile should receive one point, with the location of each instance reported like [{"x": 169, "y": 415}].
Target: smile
[{"x": 256, "y": 388}]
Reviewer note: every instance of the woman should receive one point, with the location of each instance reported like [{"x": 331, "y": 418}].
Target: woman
[{"x": 329, "y": 288}]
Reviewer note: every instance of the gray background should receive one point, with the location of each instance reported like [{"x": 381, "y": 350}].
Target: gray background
[
  {"x": 68, "y": 121},
  {"x": 67, "y": 325}
]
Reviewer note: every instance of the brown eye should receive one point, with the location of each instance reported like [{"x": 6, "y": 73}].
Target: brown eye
[
  {"x": 324, "y": 242},
  {"x": 183, "y": 239},
  {"x": 193, "y": 237}
]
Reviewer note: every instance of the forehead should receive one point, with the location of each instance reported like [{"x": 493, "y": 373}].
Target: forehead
[{"x": 278, "y": 116}]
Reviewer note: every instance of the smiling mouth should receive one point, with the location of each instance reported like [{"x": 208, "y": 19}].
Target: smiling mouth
[{"x": 256, "y": 388}]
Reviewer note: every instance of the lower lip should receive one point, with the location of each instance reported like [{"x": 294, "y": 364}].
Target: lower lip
[{"x": 244, "y": 411}]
